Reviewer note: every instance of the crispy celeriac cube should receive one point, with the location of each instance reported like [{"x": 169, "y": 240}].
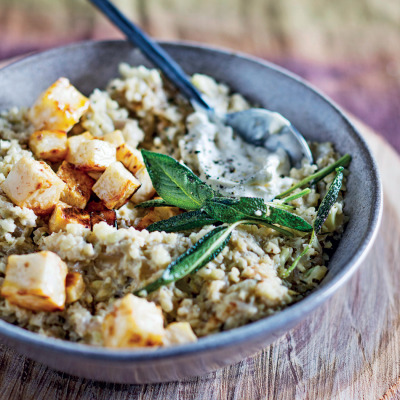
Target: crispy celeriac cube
[
  {"x": 146, "y": 191},
  {"x": 63, "y": 214},
  {"x": 79, "y": 185},
  {"x": 59, "y": 107},
  {"x": 74, "y": 142},
  {"x": 157, "y": 214},
  {"x": 36, "y": 281},
  {"x": 74, "y": 287},
  {"x": 49, "y": 145},
  {"x": 134, "y": 322},
  {"x": 100, "y": 213},
  {"x": 34, "y": 185},
  {"x": 116, "y": 138},
  {"x": 131, "y": 158},
  {"x": 92, "y": 155},
  {"x": 115, "y": 186},
  {"x": 179, "y": 333}
]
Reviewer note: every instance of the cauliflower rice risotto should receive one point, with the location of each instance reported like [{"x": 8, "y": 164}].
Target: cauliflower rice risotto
[{"x": 74, "y": 250}]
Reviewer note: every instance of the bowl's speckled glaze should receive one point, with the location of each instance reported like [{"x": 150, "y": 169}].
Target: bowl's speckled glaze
[{"x": 90, "y": 65}]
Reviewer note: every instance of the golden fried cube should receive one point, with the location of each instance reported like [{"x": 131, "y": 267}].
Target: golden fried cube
[
  {"x": 74, "y": 142},
  {"x": 59, "y": 107},
  {"x": 179, "y": 333},
  {"x": 115, "y": 186},
  {"x": 134, "y": 322},
  {"x": 91, "y": 155},
  {"x": 146, "y": 191},
  {"x": 74, "y": 287},
  {"x": 49, "y": 145},
  {"x": 79, "y": 185},
  {"x": 116, "y": 138},
  {"x": 157, "y": 214},
  {"x": 34, "y": 185},
  {"x": 36, "y": 281},
  {"x": 63, "y": 215},
  {"x": 131, "y": 158}
]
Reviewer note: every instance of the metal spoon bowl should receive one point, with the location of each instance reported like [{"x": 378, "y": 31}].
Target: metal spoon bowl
[{"x": 256, "y": 126}]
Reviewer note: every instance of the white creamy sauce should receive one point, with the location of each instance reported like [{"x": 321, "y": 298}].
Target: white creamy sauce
[{"x": 230, "y": 165}]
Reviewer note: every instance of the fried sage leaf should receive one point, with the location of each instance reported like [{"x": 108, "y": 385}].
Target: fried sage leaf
[
  {"x": 232, "y": 210},
  {"x": 183, "y": 222},
  {"x": 229, "y": 210},
  {"x": 175, "y": 182},
  {"x": 326, "y": 204},
  {"x": 329, "y": 200},
  {"x": 289, "y": 220},
  {"x": 202, "y": 252}
]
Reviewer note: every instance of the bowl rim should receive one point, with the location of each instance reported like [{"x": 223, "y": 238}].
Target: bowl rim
[{"x": 253, "y": 330}]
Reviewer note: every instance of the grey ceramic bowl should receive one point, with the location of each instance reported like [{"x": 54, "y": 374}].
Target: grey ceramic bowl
[{"x": 90, "y": 65}]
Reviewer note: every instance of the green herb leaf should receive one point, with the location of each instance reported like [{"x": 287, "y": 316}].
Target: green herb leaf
[
  {"x": 226, "y": 209},
  {"x": 314, "y": 178},
  {"x": 326, "y": 204},
  {"x": 183, "y": 222},
  {"x": 176, "y": 183},
  {"x": 154, "y": 203},
  {"x": 231, "y": 210},
  {"x": 329, "y": 200},
  {"x": 202, "y": 252},
  {"x": 289, "y": 220}
]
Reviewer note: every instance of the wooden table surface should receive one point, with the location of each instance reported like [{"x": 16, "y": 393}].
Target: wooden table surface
[{"x": 348, "y": 349}]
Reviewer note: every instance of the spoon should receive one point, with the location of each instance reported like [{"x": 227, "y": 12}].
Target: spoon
[{"x": 257, "y": 126}]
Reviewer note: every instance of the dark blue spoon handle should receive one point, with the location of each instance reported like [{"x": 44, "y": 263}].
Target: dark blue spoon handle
[{"x": 152, "y": 51}]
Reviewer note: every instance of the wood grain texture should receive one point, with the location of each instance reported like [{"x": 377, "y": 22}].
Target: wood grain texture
[
  {"x": 348, "y": 349},
  {"x": 306, "y": 29}
]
